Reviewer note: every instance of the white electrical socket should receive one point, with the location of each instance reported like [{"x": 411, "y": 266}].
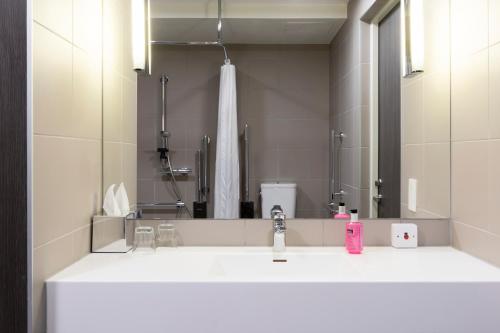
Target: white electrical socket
[{"x": 404, "y": 235}]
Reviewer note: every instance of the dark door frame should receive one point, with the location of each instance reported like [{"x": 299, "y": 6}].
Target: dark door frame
[
  {"x": 14, "y": 236},
  {"x": 389, "y": 114}
]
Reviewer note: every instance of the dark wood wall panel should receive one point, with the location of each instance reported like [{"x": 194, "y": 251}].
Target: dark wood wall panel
[{"x": 13, "y": 167}]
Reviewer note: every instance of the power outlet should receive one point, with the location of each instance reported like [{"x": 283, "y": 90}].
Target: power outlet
[{"x": 404, "y": 235}]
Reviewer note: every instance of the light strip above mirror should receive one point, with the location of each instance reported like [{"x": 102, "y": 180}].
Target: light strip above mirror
[
  {"x": 412, "y": 28},
  {"x": 141, "y": 35}
]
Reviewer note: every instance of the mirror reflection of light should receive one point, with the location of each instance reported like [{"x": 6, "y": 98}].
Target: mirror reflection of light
[
  {"x": 138, "y": 34},
  {"x": 417, "y": 35},
  {"x": 412, "y": 36}
]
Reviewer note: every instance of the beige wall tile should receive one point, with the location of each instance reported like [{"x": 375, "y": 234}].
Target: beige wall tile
[
  {"x": 412, "y": 110},
  {"x": 333, "y": 232},
  {"x": 469, "y": 26},
  {"x": 68, "y": 101},
  {"x": 113, "y": 172},
  {"x": 112, "y": 34},
  {"x": 52, "y": 83},
  {"x": 128, "y": 67},
  {"x": 469, "y": 97},
  {"x": 130, "y": 171},
  {"x": 258, "y": 232},
  {"x": 470, "y": 176},
  {"x": 494, "y": 20},
  {"x": 112, "y": 105},
  {"x": 67, "y": 185},
  {"x": 476, "y": 242},
  {"x": 87, "y": 25},
  {"x": 81, "y": 242},
  {"x": 86, "y": 116},
  {"x": 48, "y": 260},
  {"x": 304, "y": 232},
  {"x": 211, "y": 232},
  {"x": 437, "y": 35},
  {"x": 129, "y": 117},
  {"x": 377, "y": 232},
  {"x": 436, "y": 107},
  {"x": 493, "y": 186},
  {"x": 436, "y": 187},
  {"x": 432, "y": 232},
  {"x": 413, "y": 167},
  {"x": 57, "y": 15},
  {"x": 494, "y": 85}
]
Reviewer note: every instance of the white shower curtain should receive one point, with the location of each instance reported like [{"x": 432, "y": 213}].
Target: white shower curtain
[{"x": 227, "y": 166}]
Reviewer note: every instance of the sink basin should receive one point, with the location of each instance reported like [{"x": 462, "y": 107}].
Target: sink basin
[{"x": 241, "y": 289}]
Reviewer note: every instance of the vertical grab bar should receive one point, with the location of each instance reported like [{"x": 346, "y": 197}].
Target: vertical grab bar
[
  {"x": 199, "y": 168},
  {"x": 205, "y": 142},
  {"x": 164, "y": 133},
  {"x": 336, "y": 162},
  {"x": 246, "y": 138}
]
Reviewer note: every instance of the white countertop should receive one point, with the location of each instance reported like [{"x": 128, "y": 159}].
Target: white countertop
[{"x": 305, "y": 264}]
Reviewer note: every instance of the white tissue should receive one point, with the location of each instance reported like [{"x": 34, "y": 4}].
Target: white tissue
[
  {"x": 122, "y": 200},
  {"x": 110, "y": 205}
]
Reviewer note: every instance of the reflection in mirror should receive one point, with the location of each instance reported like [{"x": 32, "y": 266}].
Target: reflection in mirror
[
  {"x": 425, "y": 177},
  {"x": 316, "y": 118},
  {"x": 119, "y": 83}
]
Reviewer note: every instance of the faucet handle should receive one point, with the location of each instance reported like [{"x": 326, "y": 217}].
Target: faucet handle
[{"x": 276, "y": 210}]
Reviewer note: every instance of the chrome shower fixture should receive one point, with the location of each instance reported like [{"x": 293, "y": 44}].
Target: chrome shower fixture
[{"x": 167, "y": 168}]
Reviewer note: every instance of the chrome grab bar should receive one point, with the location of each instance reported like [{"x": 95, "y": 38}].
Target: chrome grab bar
[{"x": 246, "y": 178}]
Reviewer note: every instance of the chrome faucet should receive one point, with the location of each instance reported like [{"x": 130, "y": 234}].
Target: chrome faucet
[{"x": 279, "y": 228}]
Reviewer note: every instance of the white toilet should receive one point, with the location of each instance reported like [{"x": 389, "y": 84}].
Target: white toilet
[{"x": 283, "y": 194}]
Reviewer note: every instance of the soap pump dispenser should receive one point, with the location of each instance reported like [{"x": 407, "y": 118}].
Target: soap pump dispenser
[{"x": 354, "y": 234}]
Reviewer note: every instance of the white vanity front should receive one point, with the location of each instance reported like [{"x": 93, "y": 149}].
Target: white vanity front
[{"x": 241, "y": 290}]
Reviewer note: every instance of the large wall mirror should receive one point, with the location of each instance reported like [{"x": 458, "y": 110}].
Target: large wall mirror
[{"x": 332, "y": 107}]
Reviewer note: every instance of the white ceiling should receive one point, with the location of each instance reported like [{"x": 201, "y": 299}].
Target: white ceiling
[{"x": 249, "y": 21}]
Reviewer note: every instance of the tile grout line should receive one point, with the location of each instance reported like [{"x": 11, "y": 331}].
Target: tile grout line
[{"x": 61, "y": 237}]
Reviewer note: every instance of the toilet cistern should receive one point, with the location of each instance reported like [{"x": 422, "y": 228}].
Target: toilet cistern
[{"x": 279, "y": 228}]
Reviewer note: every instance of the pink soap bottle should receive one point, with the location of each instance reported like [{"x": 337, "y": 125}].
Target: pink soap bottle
[
  {"x": 354, "y": 234},
  {"x": 342, "y": 215}
]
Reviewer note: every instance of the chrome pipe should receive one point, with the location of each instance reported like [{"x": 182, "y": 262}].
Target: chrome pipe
[
  {"x": 196, "y": 43},
  {"x": 178, "y": 204},
  {"x": 219, "y": 41},
  {"x": 219, "y": 21}
]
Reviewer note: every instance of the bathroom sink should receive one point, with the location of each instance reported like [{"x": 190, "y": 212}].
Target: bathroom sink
[{"x": 241, "y": 289}]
